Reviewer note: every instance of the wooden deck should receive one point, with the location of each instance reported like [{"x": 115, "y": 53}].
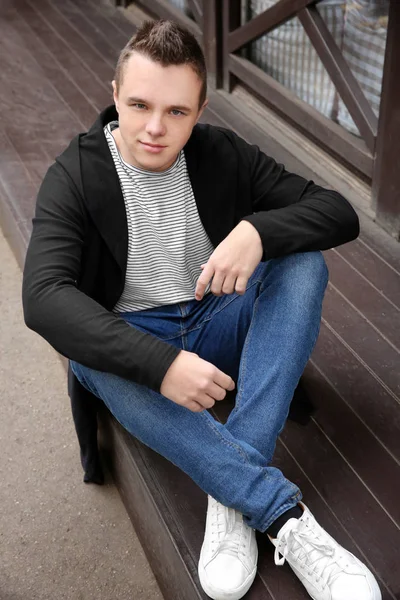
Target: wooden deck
[{"x": 57, "y": 61}]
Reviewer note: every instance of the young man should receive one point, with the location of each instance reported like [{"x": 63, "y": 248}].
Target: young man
[{"x": 171, "y": 262}]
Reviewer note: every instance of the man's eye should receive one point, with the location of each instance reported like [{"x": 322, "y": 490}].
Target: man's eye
[
  {"x": 139, "y": 105},
  {"x": 177, "y": 112}
]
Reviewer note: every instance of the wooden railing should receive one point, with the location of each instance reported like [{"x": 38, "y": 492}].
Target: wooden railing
[
  {"x": 326, "y": 132},
  {"x": 217, "y": 23}
]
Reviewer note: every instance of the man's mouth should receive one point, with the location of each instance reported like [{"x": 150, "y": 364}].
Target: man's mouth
[{"x": 159, "y": 146}]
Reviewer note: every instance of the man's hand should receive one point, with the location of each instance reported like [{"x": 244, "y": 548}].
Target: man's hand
[
  {"x": 195, "y": 383},
  {"x": 232, "y": 263}
]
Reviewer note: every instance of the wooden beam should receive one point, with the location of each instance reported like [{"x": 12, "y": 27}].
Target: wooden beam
[
  {"x": 386, "y": 176},
  {"x": 196, "y": 8},
  {"x": 162, "y": 9},
  {"x": 333, "y": 137},
  {"x": 212, "y": 40},
  {"x": 341, "y": 74},
  {"x": 279, "y": 13},
  {"x": 230, "y": 20}
]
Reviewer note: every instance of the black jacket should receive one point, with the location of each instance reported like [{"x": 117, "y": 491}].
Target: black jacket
[{"x": 76, "y": 260}]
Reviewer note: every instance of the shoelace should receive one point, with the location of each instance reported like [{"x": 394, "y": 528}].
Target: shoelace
[
  {"x": 232, "y": 541},
  {"x": 315, "y": 554}
]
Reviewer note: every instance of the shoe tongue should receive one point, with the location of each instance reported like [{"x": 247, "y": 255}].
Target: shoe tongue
[
  {"x": 290, "y": 523},
  {"x": 230, "y": 538},
  {"x": 231, "y": 520}
]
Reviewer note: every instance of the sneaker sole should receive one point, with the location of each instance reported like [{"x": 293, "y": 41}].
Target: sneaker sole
[{"x": 218, "y": 594}]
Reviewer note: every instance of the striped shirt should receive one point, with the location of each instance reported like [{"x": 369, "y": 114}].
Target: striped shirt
[{"x": 167, "y": 242}]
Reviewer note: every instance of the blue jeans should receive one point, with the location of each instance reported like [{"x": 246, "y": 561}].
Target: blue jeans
[{"x": 263, "y": 340}]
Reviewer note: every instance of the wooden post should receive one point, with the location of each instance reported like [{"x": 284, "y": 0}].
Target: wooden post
[
  {"x": 386, "y": 175},
  {"x": 230, "y": 21},
  {"x": 212, "y": 40}
]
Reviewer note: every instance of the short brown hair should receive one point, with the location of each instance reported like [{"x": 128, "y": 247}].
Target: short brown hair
[{"x": 167, "y": 43}]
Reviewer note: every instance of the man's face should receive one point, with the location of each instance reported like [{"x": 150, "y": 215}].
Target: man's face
[{"x": 158, "y": 108}]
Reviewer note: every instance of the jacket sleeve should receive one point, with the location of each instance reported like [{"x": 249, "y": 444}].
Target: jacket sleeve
[
  {"x": 73, "y": 323},
  {"x": 292, "y": 214}
]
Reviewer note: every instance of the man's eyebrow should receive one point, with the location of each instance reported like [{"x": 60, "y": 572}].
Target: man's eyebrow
[
  {"x": 183, "y": 108},
  {"x": 173, "y": 107}
]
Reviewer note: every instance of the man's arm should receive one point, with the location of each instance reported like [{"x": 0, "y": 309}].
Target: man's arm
[
  {"x": 84, "y": 331},
  {"x": 74, "y": 324},
  {"x": 292, "y": 214}
]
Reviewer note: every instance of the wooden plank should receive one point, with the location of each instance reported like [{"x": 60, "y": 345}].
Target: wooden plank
[
  {"x": 368, "y": 344},
  {"x": 274, "y": 16},
  {"x": 96, "y": 91},
  {"x": 116, "y": 17},
  {"x": 88, "y": 32},
  {"x": 374, "y": 306},
  {"x": 80, "y": 48},
  {"x": 25, "y": 143},
  {"x": 16, "y": 232},
  {"x": 373, "y": 267},
  {"x": 222, "y": 114},
  {"x": 82, "y": 110},
  {"x": 319, "y": 502},
  {"x": 17, "y": 190},
  {"x": 386, "y": 177},
  {"x": 97, "y": 17},
  {"x": 341, "y": 74},
  {"x": 17, "y": 199},
  {"x": 333, "y": 137},
  {"x": 378, "y": 241},
  {"x": 356, "y": 443},
  {"x": 348, "y": 498},
  {"x": 372, "y": 402},
  {"x": 22, "y": 90}
]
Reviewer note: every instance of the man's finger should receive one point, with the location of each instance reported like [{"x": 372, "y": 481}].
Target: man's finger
[
  {"x": 229, "y": 284},
  {"x": 203, "y": 281},
  {"x": 241, "y": 284},
  {"x": 206, "y": 401},
  {"x": 217, "y": 392},
  {"x": 223, "y": 380},
  {"x": 217, "y": 283},
  {"x": 195, "y": 407}
]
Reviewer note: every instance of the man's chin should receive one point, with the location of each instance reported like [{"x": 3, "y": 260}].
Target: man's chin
[{"x": 155, "y": 163}]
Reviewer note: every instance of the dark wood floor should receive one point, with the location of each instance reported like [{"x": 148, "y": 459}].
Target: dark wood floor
[{"x": 57, "y": 59}]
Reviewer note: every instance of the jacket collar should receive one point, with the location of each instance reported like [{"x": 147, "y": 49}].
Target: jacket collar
[{"x": 102, "y": 191}]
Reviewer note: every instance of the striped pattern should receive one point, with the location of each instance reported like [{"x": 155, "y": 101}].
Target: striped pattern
[{"x": 167, "y": 241}]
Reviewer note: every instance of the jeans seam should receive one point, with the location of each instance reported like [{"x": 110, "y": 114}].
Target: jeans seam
[
  {"x": 282, "y": 509},
  {"x": 219, "y": 309},
  {"x": 236, "y": 447},
  {"x": 243, "y": 361}
]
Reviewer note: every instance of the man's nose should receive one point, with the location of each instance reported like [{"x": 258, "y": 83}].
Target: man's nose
[{"x": 155, "y": 126}]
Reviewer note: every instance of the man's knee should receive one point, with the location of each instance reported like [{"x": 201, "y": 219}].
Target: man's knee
[
  {"x": 314, "y": 266},
  {"x": 304, "y": 272}
]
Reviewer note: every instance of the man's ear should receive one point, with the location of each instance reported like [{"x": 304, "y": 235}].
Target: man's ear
[
  {"x": 115, "y": 93},
  {"x": 202, "y": 110}
]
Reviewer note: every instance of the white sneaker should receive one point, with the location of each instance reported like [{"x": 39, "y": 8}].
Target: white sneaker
[
  {"x": 228, "y": 558},
  {"x": 327, "y": 571}
]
